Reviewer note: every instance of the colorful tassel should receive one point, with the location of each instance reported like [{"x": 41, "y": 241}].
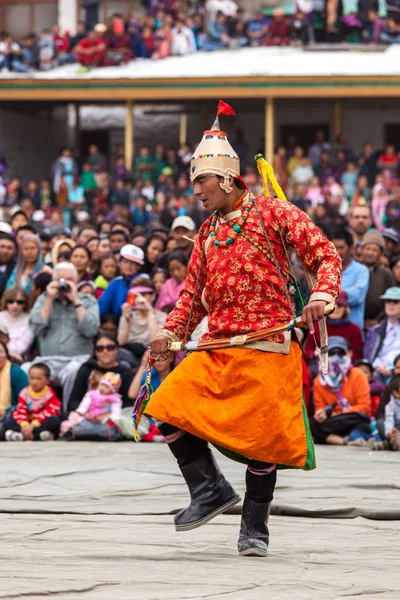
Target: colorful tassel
[
  {"x": 224, "y": 109},
  {"x": 268, "y": 176},
  {"x": 144, "y": 395}
]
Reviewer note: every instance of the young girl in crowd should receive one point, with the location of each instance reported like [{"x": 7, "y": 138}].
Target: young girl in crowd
[
  {"x": 177, "y": 268},
  {"x": 81, "y": 258},
  {"x": 108, "y": 269},
  {"x": 96, "y": 414},
  {"x": 159, "y": 278},
  {"x": 37, "y": 416},
  {"x": 29, "y": 263}
]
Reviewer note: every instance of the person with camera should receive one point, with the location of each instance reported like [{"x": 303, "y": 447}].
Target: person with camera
[{"x": 65, "y": 323}]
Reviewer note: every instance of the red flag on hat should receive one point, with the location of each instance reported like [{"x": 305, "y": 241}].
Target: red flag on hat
[{"x": 224, "y": 109}]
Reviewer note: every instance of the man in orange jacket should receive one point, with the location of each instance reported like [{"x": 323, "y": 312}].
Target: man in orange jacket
[{"x": 342, "y": 398}]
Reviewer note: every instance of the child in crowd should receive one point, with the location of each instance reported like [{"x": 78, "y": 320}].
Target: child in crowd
[
  {"x": 392, "y": 415},
  {"x": 95, "y": 416},
  {"x": 177, "y": 268},
  {"x": 375, "y": 385},
  {"x": 108, "y": 269},
  {"x": 159, "y": 278},
  {"x": 37, "y": 416}
]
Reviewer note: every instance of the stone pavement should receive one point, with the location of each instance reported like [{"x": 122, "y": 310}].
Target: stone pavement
[{"x": 92, "y": 521}]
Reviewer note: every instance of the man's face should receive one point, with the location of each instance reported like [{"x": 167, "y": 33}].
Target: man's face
[
  {"x": 117, "y": 240},
  {"x": 371, "y": 254},
  {"x": 181, "y": 242},
  {"x": 128, "y": 268},
  {"x": 360, "y": 220},
  {"x": 391, "y": 246},
  {"x": 343, "y": 250},
  {"x": 19, "y": 221},
  {"x": 209, "y": 192},
  {"x": 392, "y": 309},
  {"x": 7, "y": 251},
  {"x": 85, "y": 236}
]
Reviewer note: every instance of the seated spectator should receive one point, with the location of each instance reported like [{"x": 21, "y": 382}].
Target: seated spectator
[
  {"x": 183, "y": 40},
  {"x": 97, "y": 414},
  {"x": 392, "y": 415},
  {"x": 81, "y": 259},
  {"x": 355, "y": 278},
  {"x": 29, "y": 263},
  {"x": 382, "y": 343},
  {"x": 91, "y": 51},
  {"x": 80, "y": 35},
  {"x": 12, "y": 381},
  {"x": 341, "y": 398},
  {"x": 65, "y": 323},
  {"x": 131, "y": 260},
  {"x": 61, "y": 45},
  {"x": 104, "y": 359},
  {"x": 119, "y": 48},
  {"x": 380, "y": 199},
  {"x": 380, "y": 278},
  {"x": 37, "y": 415},
  {"x": 389, "y": 159},
  {"x": 278, "y": 33},
  {"x": 303, "y": 173},
  {"x": 96, "y": 160},
  {"x": 47, "y": 51},
  {"x": 8, "y": 251},
  {"x": 30, "y": 51},
  {"x": 338, "y": 324},
  {"x": 177, "y": 269},
  {"x": 314, "y": 193},
  {"x": 376, "y": 386},
  {"x": 107, "y": 271},
  {"x": 364, "y": 7},
  {"x": 391, "y": 32},
  {"x": 159, "y": 279},
  {"x": 14, "y": 315},
  {"x": 217, "y": 34},
  {"x": 140, "y": 321},
  {"x": 299, "y": 29},
  {"x": 257, "y": 29},
  {"x": 11, "y": 55},
  {"x": 153, "y": 249},
  {"x": 162, "y": 43}
]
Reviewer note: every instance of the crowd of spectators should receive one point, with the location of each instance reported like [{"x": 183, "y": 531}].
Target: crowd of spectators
[
  {"x": 93, "y": 258},
  {"x": 177, "y": 29}
]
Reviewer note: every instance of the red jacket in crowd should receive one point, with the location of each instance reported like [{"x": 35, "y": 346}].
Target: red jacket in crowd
[{"x": 37, "y": 407}]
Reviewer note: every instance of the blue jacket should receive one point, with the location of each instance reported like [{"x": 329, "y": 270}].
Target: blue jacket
[
  {"x": 115, "y": 295},
  {"x": 355, "y": 282}
]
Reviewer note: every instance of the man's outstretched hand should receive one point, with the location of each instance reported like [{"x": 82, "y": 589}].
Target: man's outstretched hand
[{"x": 313, "y": 311}]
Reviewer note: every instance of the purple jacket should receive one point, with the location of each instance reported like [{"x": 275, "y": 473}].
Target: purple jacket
[{"x": 373, "y": 340}]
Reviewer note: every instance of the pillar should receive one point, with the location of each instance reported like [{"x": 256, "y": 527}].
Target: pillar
[
  {"x": 183, "y": 129},
  {"x": 77, "y": 126},
  {"x": 68, "y": 15},
  {"x": 337, "y": 118},
  {"x": 269, "y": 129},
  {"x": 129, "y": 135}
]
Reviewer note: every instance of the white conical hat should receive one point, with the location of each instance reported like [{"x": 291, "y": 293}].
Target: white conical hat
[{"x": 214, "y": 155}]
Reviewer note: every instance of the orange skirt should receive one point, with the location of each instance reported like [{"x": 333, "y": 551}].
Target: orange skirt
[{"x": 247, "y": 401}]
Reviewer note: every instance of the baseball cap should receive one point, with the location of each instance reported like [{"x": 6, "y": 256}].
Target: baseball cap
[
  {"x": 133, "y": 253},
  {"x": 186, "y": 222},
  {"x": 391, "y": 234},
  {"x": 342, "y": 299},
  {"x": 392, "y": 293},
  {"x": 337, "y": 341}
]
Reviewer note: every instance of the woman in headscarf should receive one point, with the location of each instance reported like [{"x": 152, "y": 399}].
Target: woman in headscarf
[
  {"x": 380, "y": 199},
  {"x": 61, "y": 251},
  {"x": 29, "y": 263}
]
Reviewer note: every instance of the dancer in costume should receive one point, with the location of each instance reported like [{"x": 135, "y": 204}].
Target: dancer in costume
[{"x": 245, "y": 400}]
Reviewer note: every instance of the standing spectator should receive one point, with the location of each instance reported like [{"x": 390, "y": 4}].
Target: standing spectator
[
  {"x": 349, "y": 179},
  {"x": 183, "y": 41},
  {"x": 379, "y": 203},
  {"x": 344, "y": 394},
  {"x": 333, "y": 14},
  {"x": 257, "y": 29},
  {"x": 91, "y": 51},
  {"x": 37, "y": 416},
  {"x": 380, "y": 278},
  {"x": 355, "y": 278},
  {"x": 364, "y": 7},
  {"x": 392, "y": 242},
  {"x": 8, "y": 251},
  {"x": 319, "y": 146},
  {"x": 367, "y": 163},
  {"x": 29, "y": 263},
  {"x": 14, "y": 315},
  {"x": 382, "y": 344},
  {"x": 12, "y": 381},
  {"x": 131, "y": 260},
  {"x": 303, "y": 173},
  {"x": 278, "y": 33},
  {"x": 64, "y": 169},
  {"x": 389, "y": 159},
  {"x": 65, "y": 323},
  {"x": 96, "y": 160},
  {"x": 360, "y": 222}
]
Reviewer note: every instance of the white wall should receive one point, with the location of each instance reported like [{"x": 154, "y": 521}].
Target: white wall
[
  {"x": 68, "y": 15},
  {"x": 30, "y": 143}
]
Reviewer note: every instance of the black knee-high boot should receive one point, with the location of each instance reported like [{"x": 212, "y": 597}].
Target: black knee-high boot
[
  {"x": 260, "y": 485},
  {"x": 210, "y": 493}
]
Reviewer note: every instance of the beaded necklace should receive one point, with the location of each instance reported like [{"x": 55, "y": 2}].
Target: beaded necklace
[{"x": 236, "y": 229}]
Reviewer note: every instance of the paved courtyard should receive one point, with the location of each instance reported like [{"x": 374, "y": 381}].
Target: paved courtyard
[{"x": 93, "y": 521}]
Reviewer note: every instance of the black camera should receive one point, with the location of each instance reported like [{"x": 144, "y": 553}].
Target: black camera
[{"x": 63, "y": 286}]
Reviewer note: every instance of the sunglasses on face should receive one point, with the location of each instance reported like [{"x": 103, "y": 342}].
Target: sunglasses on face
[
  {"x": 19, "y": 302},
  {"x": 392, "y": 301},
  {"x": 106, "y": 347},
  {"x": 336, "y": 352}
]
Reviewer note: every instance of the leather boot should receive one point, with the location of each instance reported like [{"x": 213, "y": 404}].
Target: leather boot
[
  {"x": 210, "y": 493},
  {"x": 254, "y": 534}
]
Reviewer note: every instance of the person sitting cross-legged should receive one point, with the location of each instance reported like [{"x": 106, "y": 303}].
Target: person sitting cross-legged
[{"x": 342, "y": 398}]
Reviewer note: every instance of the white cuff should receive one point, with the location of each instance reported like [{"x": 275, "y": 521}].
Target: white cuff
[{"x": 322, "y": 296}]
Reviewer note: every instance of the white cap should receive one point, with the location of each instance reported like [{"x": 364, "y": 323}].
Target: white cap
[
  {"x": 82, "y": 215},
  {"x": 133, "y": 253},
  {"x": 5, "y": 227},
  {"x": 38, "y": 216},
  {"x": 186, "y": 222}
]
